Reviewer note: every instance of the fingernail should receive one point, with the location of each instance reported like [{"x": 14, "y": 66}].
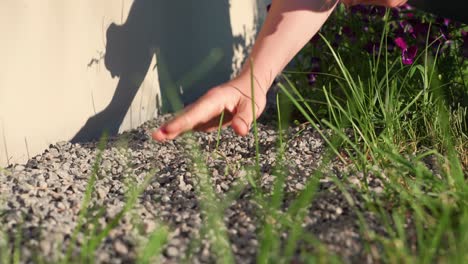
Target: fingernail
[{"x": 163, "y": 130}]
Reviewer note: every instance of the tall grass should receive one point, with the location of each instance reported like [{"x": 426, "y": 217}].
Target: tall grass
[
  {"x": 392, "y": 137},
  {"x": 94, "y": 234}
]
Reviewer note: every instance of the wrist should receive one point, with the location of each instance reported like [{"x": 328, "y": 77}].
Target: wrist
[{"x": 262, "y": 80}]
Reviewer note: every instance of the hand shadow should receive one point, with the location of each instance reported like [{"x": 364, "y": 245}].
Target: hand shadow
[{"x": 183, "y": 32}]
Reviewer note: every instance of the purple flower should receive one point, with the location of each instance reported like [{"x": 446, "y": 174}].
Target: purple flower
[
  {"x": 311, "y": 78},
  {"x": 408, "y": 55},
  {"x": 446, "y": 22},
  {"x": 443, "y": 21},
  {"x": 398, "y": 28},
  {"x": 314, "y": 68},
  {"x": 405, "y": 27},
  {"x": 443, "y": 24},
  {"x": 401, "y": 43},
  {"x": 403, "y": 24}
]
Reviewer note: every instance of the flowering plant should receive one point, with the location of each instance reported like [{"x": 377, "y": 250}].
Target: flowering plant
[{"x": 401, "y": 35}]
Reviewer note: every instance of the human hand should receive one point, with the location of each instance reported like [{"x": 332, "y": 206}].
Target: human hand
[
  {"x": 287, "y": 28},
  {"x": 233, "y": 97},
  {"x": 386, "y": 3}
]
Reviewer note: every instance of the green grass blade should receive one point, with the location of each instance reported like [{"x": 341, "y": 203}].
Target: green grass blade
[
  {"x": 87, "y": 197},
  {"x": 255, "y": 125},
  {"x": 153, "y": 248}
]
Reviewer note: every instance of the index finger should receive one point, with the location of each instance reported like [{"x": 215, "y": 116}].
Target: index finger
[{"x": 200, "y": 112}]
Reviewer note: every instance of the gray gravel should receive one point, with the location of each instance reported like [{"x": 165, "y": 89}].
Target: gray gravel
[{"x": 42, "y": 198}]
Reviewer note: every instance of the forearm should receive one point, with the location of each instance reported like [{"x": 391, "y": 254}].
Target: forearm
[{"x": 289, "y": 25}]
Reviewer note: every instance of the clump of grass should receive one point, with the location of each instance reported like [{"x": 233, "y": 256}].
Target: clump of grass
[
  {"x": 4, "y": 254},
  {"x": 392, "y": 144},
  {"x": 152, "y": 250},
  {"x": 211, "y": 208},
  {"x": 10, "y": 246},
  {"x": 86, "y": 198},
  {"x": 94, "y": 235}
]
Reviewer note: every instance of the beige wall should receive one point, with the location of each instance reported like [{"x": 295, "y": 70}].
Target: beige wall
[{"x": 58, "y": 58}]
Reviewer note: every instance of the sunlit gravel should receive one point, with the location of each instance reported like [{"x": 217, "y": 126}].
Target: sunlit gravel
[{"x": 42, "y": 198}]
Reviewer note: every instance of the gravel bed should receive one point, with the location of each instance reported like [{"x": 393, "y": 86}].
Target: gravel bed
[{"x": 42, "y": 198}]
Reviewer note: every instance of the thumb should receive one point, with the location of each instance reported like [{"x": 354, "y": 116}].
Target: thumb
[{"x": 242, "y": 119}]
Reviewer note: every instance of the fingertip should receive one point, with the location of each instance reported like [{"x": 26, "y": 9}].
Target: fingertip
[
  {"x": 159, "y": 134},
  {"x": 240, "y": 127}
]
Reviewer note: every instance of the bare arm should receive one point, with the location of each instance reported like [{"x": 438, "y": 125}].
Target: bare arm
[
  {"x": 287, "y": 28},
  {"x": 289, "y": 25}
]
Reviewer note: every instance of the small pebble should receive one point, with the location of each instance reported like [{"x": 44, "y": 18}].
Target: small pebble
[
  {"x": 172, "y": 251},
  {"x": 120, "y": 247}
]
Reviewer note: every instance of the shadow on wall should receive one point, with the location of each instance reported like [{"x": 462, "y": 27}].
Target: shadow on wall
[{"x": 183, "y": 34}]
